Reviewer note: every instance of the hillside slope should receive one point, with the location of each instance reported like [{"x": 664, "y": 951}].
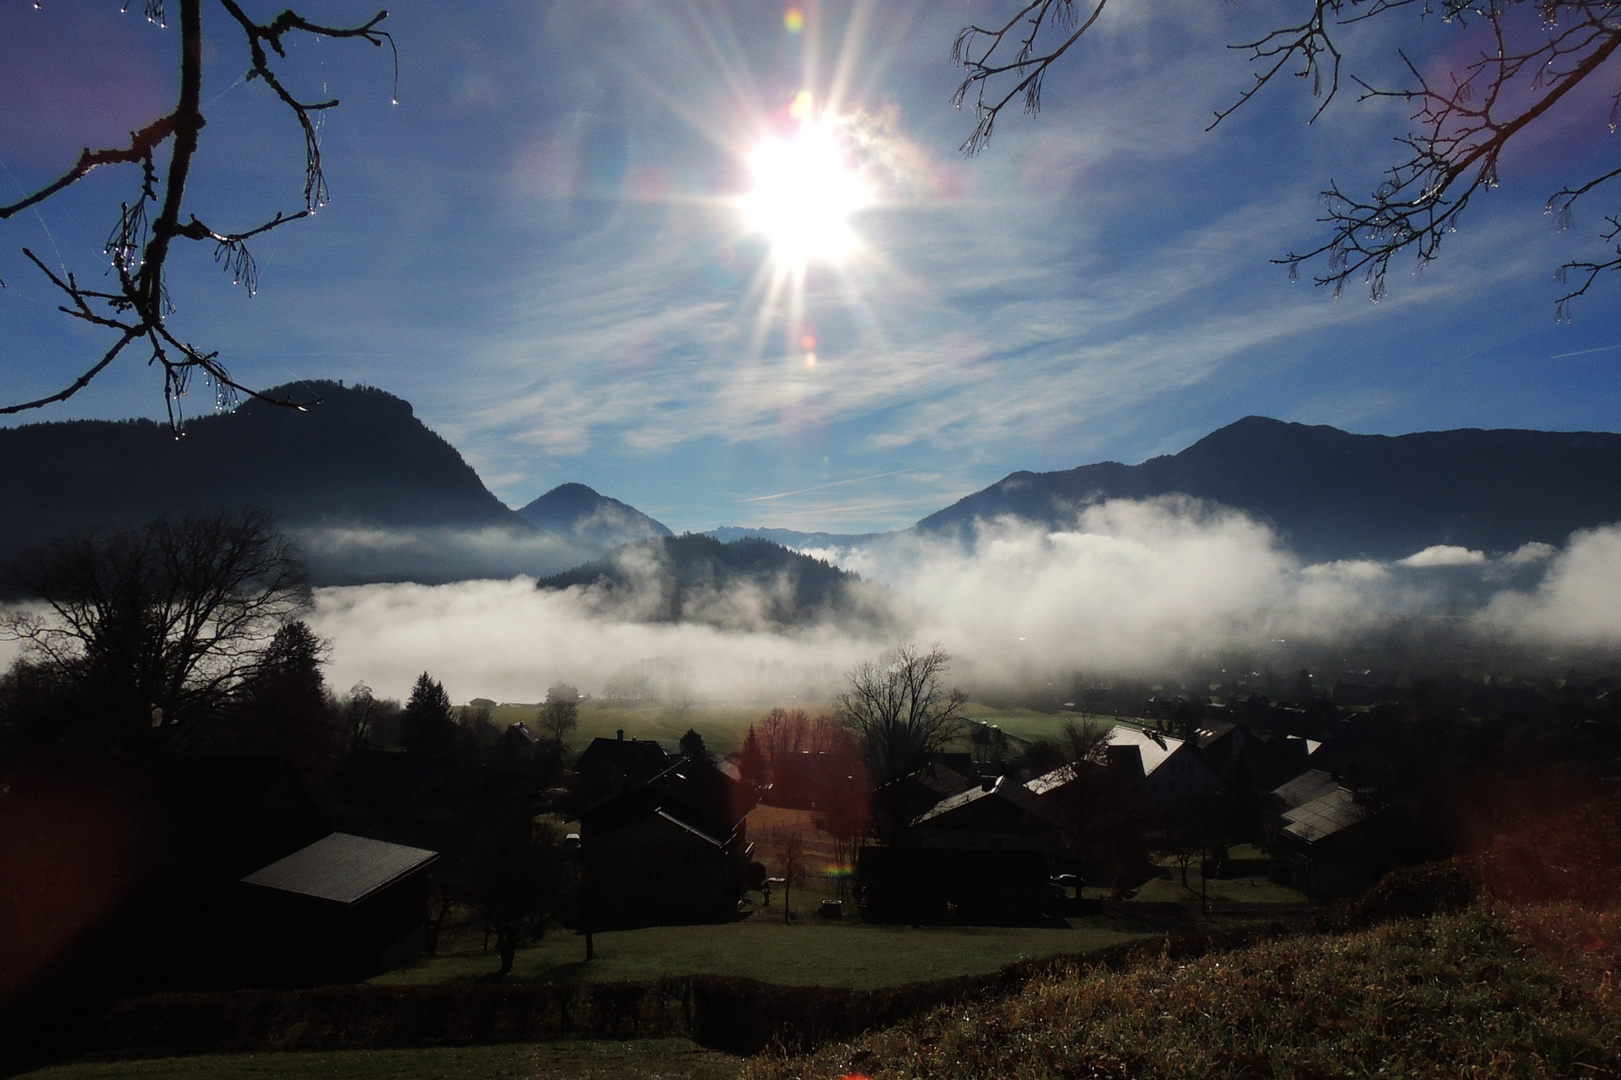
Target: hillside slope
[
  {"x": 1334, "y": 495},
  {"x": 1476, "y": 994},
  {"x": 746, "y": 584}
]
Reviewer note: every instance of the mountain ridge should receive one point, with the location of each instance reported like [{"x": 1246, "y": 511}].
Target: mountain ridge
[
  {"x": 1333, "y": 494},
  {"x": 368, "y": 490}
]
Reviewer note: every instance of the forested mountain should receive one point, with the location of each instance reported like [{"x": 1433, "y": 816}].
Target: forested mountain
[
  {"x": 791, "y": 537},
  {"x": 1335, "y": 495},
  {"x": 367, "y": 489},
  {"x": 578, "y": 513},
  {"x": 745, "y": 584}
]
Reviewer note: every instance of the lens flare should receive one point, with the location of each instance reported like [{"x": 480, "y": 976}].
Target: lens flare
[{"x": 794, "y": 20}]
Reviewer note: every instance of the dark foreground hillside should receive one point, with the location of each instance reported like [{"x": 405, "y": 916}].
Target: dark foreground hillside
[{"x": 1488, "y": 992}]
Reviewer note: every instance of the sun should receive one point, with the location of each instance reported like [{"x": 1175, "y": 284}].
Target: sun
[{"x": 805, "y": 193}]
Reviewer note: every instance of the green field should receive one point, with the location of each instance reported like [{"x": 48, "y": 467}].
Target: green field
[
  {"x": 722, "y": 726},
  {"x": 644, "y": 1059},
  {"x": 808, "y": 952}
]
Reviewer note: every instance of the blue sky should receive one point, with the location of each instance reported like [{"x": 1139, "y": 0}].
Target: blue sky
[{"x": 540, "y": 246}]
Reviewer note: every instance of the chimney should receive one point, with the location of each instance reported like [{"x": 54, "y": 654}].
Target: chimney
[{"x": 621, "y": 734}]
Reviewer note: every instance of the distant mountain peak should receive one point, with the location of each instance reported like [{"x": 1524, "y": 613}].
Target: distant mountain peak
[{"x": 577, "y": 512}]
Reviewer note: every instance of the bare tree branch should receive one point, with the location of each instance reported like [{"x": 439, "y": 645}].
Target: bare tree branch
[
  {"x": 1462, "y": 125},
  {"x": 1028, "y": 67},
  {"x": 139, "y": 244}
]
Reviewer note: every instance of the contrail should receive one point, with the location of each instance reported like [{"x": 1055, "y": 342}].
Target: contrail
[{"x": 822, "y": 487}]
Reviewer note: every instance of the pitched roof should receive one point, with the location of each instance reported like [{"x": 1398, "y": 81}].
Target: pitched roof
[
  {"x": 1052, "y": 781},
  {"x": 1002, "y": 789},
  {"x": 1154, "y": 749},
  {"x": 1309, "y": 785},
  {"x": 689, "y": 829},
  {"x": 342, "y": 868},
  {"x": 638, "y": 756},
  {"x": 701, "y": 796},
  {"x": 1321, "y": 818}
]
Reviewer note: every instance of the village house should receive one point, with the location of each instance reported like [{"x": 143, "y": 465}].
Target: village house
[
  {"x": 1327, "y": 830},
  {"x": 671, "y": 849},
  {"x": 340, "y": 909},
  {"x": 1165, "y": 768},
  {"x": 610, "y": 766}
]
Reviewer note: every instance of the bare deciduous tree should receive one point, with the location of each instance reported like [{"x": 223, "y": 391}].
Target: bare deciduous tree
[
  {"x": 900, "y": 711},
  {"x": 560, "y": 716},
  {"x": 1532, "y": 54},
  {"x": 138, "y": 307},
  {"x": 793, "y": 864},
  {"x": 158, "y": 624}
]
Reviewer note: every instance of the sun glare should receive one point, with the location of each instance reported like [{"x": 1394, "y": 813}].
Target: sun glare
[{"x": 804, "y": 194}]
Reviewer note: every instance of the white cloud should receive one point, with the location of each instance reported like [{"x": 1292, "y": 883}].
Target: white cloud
[
  {"x": 1578, "y": 601},
  {"x": 1444, "y": 555}
]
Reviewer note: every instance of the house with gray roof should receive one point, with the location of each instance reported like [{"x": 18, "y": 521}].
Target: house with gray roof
[
  {"x": 1327, "y": 829},
  {"x": 343, "y": 908},
  {"x": 1167, "y": 768}
]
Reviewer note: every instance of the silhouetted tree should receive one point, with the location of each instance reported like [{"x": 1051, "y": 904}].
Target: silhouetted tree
[
  {"x": 560, "y": 716},
  {"x": 136, "y": 307},
  {"x": 1466, "y": 108},
  {"x": 43, "y": 707},
  {"x": 426, "y": 726},
  {"x": 692, "y": 746},
  {"x": 365, "y": 720},
  {"x": 157, "y": 626},
  {"x": 478, "y": 733},
  {"x": 783, "y": 734},
  {"x": 840, "y": 794},
  {"x": 283, "y": 707},
  {"x": 900, "y": 712},
  {"x": 512, "y": 872},
  {"x": 793, "y": 864},
  {"x": 751, "y": 762}
]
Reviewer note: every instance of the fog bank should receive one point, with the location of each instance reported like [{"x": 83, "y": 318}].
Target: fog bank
[{"x": 1134, "y": 587}]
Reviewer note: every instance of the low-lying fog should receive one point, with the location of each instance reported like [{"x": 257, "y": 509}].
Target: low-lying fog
[{"x": 1136, "y": 589}]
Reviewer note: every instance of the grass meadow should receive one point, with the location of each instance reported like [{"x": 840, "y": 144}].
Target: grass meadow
[
  {"x": 642, "y": 1059},
  {"x": 723, "y": 726},
  {"x": 808, "y": 952}
]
